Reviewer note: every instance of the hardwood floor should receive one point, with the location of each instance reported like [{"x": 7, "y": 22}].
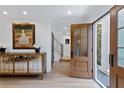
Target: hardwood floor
[{"x": 57, "y": 78}]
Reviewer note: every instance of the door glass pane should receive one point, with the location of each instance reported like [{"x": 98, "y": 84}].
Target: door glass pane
[
  {"x": 84, "y": 46},
  {"x": 121, "y": 57},
  {"x": 120, "y": 31},
  {"x": 77, "y": 42},
  {"x": 121, "y": 38},
  {"x": 80, "y": 42},
  {"x": 84, "y": 32},
  {"x": 121, "y": 18},
  {"x": 84, "y": 42}
]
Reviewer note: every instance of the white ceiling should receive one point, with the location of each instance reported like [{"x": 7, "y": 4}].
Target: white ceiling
[
  {"x": 51, "y": 12},
  {"x": 44, "y": 11},
  {"x": 56, "y": 14}
]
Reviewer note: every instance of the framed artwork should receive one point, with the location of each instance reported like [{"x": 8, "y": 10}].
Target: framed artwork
[
  {"x": 23, "y": 36},
  {"x": 66, "y": 41}
]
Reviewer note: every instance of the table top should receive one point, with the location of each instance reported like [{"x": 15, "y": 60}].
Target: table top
[{"x": 23, "y": 53}]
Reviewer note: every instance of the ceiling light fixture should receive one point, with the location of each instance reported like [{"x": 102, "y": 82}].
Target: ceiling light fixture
[
  {"x": 24, "y": 12},
  {"x": 69, "y": 12},
  {"x": 5, "y": 12}
]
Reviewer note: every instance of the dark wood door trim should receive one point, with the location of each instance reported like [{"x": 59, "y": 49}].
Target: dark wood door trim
[{"x": 115, "y": 71}]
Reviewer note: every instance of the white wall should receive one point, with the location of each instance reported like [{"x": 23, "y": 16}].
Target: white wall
[
  {"x": 105, "y": 49},
  {"x": 42, "y": 36},
  {"x": 105, "y": 43},
  {"x": 66, "y": 47}
]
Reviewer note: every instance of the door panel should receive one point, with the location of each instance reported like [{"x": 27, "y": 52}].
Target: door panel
[
  {"x": 120, "y": 82},
  {"x": 80, "y": 65},
  {"x": 117, "y": 77},
  {"x": 117, "y": 47}
]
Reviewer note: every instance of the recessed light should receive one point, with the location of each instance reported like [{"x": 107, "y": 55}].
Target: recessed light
[
  {"x": 24, "y": 12},
  {"x": 65, "y": 28},
  {"x": 69, "y": 12},
  {"x": 5, "y": 12}
]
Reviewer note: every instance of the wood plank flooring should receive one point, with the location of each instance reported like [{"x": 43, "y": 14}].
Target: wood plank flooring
[{"x": 57, "y": 78}]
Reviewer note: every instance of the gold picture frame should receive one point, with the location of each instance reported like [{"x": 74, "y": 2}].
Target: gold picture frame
[{"x": 23, "y": 36}]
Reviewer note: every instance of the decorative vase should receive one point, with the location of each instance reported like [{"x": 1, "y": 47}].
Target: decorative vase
[
  {"x": 37, "y": 50},
  {"x": 2, "y": 50}
]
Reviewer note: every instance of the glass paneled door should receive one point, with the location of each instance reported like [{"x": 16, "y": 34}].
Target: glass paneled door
[
  {"x": 117, "y": 47},
  {"x": 80, "y": 65}
]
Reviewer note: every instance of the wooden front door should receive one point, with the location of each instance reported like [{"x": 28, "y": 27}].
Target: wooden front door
[
  {"x": 117, "y": 47},
  {"x": 80, "y": 65}
]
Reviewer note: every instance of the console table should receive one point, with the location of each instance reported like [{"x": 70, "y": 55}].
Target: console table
[{"x": 23, "y": 63}]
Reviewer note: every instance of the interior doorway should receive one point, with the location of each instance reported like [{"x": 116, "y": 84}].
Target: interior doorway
[
  {"x": 102, "y": 64},
  {"x": 102, "y": 49}
]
